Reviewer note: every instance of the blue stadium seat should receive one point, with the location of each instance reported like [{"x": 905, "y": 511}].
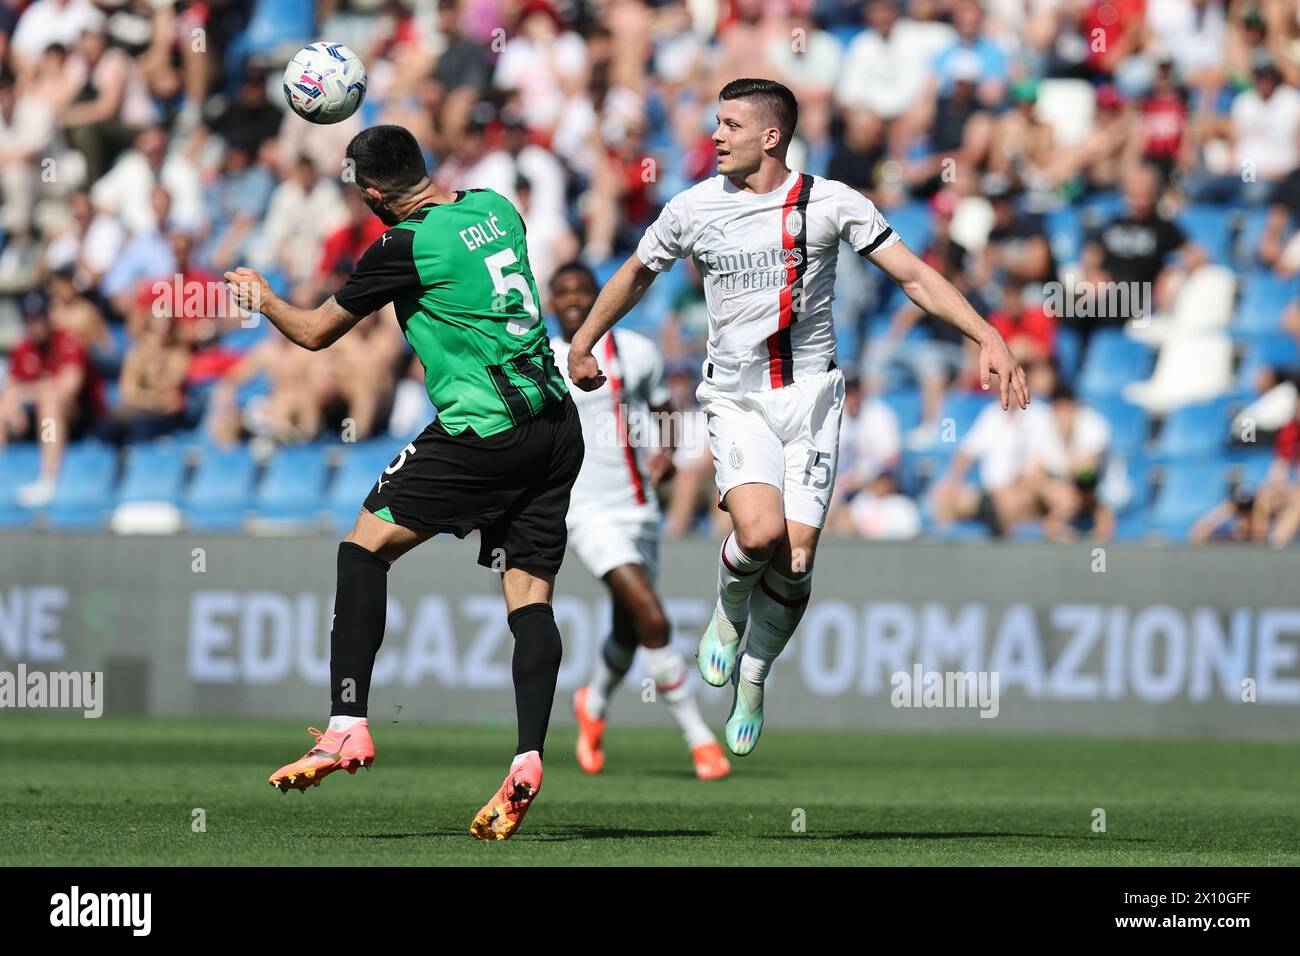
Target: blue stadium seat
[
  {"x": 1198, "y": 430},
  {"x": 1129, "y": 424},
  {"x": 1101, "y": 207},
  {"x": 961, "y": 531},
  {"x": 1210, "y": 227},
  {"x": 1065, "y": 233},
  {"x": 1263, "y": 299},
  {"x": 293, "y": 488},
  {"x": 906, "y": 405},
  {"x": 963, "y": 408},
  {"x": 221, "y": 491},
  {"x": 1112, "y": 361},
  {"x": 1249, "y": 466},
  {"x": 154, "y": 472},
  {"x": 1246, "y": 249},
  {"x": 362, "y": 464},
  {"x": 1068, "y": 352},
  {"x": 83, "y": 495},
  {"x": 1266, "y": 350},
  {"x": 19, "y": 464},
  {"x": 912, "y": 223},
  {"x": 1188, "y": 491}
]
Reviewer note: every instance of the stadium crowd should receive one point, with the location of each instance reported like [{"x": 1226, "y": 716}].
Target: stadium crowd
[{"x": 1116, "y": 185}]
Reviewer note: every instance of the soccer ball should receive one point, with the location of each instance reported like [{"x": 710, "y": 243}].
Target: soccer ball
[{"x": 325, "y": 83}]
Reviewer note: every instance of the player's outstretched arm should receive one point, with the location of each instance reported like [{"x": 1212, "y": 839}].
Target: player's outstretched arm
[
  {"x": 936, "y": 296},
  {"x": 313, "y": 329},
  {"x": 621, "y": 292}
]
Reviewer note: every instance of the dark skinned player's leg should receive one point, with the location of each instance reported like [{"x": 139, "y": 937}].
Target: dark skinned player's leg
[{"x": 639, "y": 620}]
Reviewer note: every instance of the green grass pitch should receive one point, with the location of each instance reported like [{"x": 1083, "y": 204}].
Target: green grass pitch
[{"x": 122, "y": 791}]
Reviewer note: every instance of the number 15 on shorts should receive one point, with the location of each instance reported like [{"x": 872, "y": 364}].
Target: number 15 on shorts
[{"x": 818, "y": 465}]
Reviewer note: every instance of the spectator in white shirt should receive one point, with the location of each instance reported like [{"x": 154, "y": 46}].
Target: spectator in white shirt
[
  {"x": 125, "y": 188},
  {"x": 26, "y": 129},
  {"x": 47, "y": 22},
  {"x": 89, "y": 245}
]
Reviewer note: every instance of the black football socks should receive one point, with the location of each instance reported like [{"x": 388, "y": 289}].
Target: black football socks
[
  {"x": 535, "y": 666},
  {"x": 360, "y": 609}
]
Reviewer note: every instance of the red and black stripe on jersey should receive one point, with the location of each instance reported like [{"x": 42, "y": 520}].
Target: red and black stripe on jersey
[{"x": 780, "y": 350}]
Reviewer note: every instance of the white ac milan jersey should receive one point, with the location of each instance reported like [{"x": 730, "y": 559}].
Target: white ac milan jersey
[
  {"x": 768, "y": 265},
  {"x": 617, "y": 426}
]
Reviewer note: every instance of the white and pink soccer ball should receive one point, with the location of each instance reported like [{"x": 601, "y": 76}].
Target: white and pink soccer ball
[{"x": 325, "y": 82}]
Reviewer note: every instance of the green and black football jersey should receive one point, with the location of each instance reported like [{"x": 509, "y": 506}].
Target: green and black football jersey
[{"x": 458, "y": 277}]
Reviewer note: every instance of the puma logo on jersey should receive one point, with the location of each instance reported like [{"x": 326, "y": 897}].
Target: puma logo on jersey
[{"x": 383, "y": 240}]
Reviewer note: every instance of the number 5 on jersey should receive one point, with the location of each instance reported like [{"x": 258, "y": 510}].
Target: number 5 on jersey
[{"x": 503, "y": 284}]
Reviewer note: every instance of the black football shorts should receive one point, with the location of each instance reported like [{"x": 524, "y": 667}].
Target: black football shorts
[{"x": 512, "y": 487}]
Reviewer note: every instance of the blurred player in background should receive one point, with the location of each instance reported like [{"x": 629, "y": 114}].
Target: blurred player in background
[
  {"x": 766, "y": 239},
  {"x": 500, "y": 458},
  {"x": 614, "y": 523}
]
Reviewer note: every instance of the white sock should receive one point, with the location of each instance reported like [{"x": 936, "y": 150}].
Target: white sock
[
  {"x": 520, "y": 758},
  {"x": 611, "y": 667},
  {"x": 667, "y": 668},
  {"x": 737, "y": 575},
  {"x": 340, "y": 722},
  {"x": 778, "y": 604}
]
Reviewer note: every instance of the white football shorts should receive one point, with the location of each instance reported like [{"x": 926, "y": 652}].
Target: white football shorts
[{"x": 785, "y": 437}]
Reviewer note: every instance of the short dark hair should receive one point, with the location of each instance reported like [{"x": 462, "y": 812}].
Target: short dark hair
[
  {"x": 574, "y": 265},
  {"x": 773, "y": 97},
  {"x": 387, "y": 158}
]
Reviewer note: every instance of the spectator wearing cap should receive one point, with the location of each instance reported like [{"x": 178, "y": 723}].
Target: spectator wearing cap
[
  {"x": 960, "y": 128},
  {"x": 52, "y": 394},
  {"x": 991, "y": 68},
  {"x": 1023, "y": 144},
  {"x": 1264, "y": 135}
]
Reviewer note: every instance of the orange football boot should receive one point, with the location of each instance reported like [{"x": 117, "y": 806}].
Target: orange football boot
[
  {"x": 335, "y": 749},
  {"x": 591, "y": 733},
  {"x": 501, "y": 816},
  {"x": 710, "y": 762}
]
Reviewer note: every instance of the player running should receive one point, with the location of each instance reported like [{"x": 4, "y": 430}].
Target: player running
[
  {"x": 614, "y": 526},
  {"x": 765, "y": 240},
  {"x": 501, "y": 457}
]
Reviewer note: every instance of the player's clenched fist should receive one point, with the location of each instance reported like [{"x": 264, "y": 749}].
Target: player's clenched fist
[
  {"x": 583, "y": 370},
  {"x": 249, "y": 289}
]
